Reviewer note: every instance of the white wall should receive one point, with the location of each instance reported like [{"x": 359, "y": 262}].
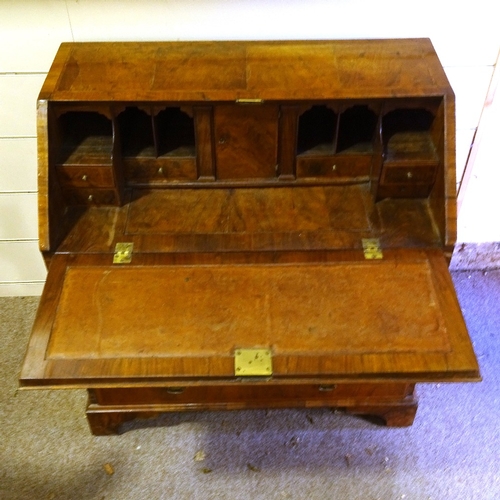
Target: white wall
[
  {"x": 480, "y": 208},
  {"x": 30, "y": 32}
]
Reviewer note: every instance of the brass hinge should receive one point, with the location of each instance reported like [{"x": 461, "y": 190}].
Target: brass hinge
[
  {"x": 253, "y": 363},
  {"x": 123, "y": 253},
  {"x": 371, "y": 248},
  {"x": 249, "y": 101}
]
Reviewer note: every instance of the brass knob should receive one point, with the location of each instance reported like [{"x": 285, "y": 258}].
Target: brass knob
[
  {"x": 91, "y": 197},
  {"x": 84, "y": 177},
  {"x": 160, "y": 171},
  {"x": 409, "y": 175},
  {"x": 334, "y": 167}
]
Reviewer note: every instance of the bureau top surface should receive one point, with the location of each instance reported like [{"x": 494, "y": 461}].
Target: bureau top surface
[{"x": 228, "y": 71}]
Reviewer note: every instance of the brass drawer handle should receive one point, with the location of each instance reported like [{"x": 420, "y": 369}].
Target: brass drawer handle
[
  {"x": 327, "y": 388},
  {"x": 409, "y": 175},
  {"x": 175, "y": 390},
  {"x": 84, "y": 177}
]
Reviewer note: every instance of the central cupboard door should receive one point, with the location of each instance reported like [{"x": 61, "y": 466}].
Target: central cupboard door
[{"x": 246, "y": 141}]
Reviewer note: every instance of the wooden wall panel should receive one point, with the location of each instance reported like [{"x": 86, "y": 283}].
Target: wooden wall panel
[
  {"x": 23, "y": 270},
  {"x": 18, "y": 155}
]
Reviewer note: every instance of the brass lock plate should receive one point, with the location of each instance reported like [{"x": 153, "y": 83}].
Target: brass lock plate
[
  {"x": 123, "y": 253},
  {"x": 253, "y": 363}
]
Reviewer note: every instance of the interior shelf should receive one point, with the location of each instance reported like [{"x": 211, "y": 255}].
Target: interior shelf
[
  {"x": 136, "y": 133},
  {"x": 316, "y": 134},
  {"x": 175, "y": 133},
  {"x": 407, "y": 135},
  {"x": 168, "y": 134},
  {"x": 85, "y": 137},
  {"x": 356, "y": 130},
  {"x": 412, "y": 145}
]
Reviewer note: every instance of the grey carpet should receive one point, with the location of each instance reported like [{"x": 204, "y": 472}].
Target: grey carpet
[{"x": 451, "y": 452}]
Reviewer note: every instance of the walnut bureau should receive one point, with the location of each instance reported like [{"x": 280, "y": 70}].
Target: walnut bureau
[{"x": 234, "y": 225}]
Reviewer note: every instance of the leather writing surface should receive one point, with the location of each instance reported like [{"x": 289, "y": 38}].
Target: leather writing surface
[
  {"x": 179, "y": 317},
  {"x": 209, "y": 310}
]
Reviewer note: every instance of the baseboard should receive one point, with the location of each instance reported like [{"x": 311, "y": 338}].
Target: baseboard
[
  {"x": 21, "y": 289},
  {"x": 476, "y": 256}
]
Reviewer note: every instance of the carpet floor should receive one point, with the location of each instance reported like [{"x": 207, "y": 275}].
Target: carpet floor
[{"x": 451, "y": 452}]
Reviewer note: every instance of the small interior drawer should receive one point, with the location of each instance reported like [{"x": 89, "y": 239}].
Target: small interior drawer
[
  {"x": 158, "y": 170},
  {"x": 86, "y": 176},
  {"x": 351, "y": 166},
  {"x": 408, "y": 174},
  {"x": 91, "y": 196}
]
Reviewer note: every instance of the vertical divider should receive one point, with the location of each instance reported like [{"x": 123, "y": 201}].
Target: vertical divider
[
  {"x": 204, "y": 134},
  {"x": 337, "y": 129},
  {"x": 154, "y": 128},
  {"x": 116, "y": 160},
  {"x": 287, "y": 142},
  {"x": 378, "y": 154}
]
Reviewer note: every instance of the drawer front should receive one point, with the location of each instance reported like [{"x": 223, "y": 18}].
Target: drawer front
[
  {"x": 159, "y": 170},
  {"x": 403, "y": 191},
  {"x": 408, "y": 174},
  {"x": 249, "y": 395},
  {"x": 334, "y": 166},
  {"x": 86, "y": 177},
  {"x": 91, "y": 197}
]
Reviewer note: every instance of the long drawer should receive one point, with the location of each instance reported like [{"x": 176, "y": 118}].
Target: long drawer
[{"x": 249, "y": 395}]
